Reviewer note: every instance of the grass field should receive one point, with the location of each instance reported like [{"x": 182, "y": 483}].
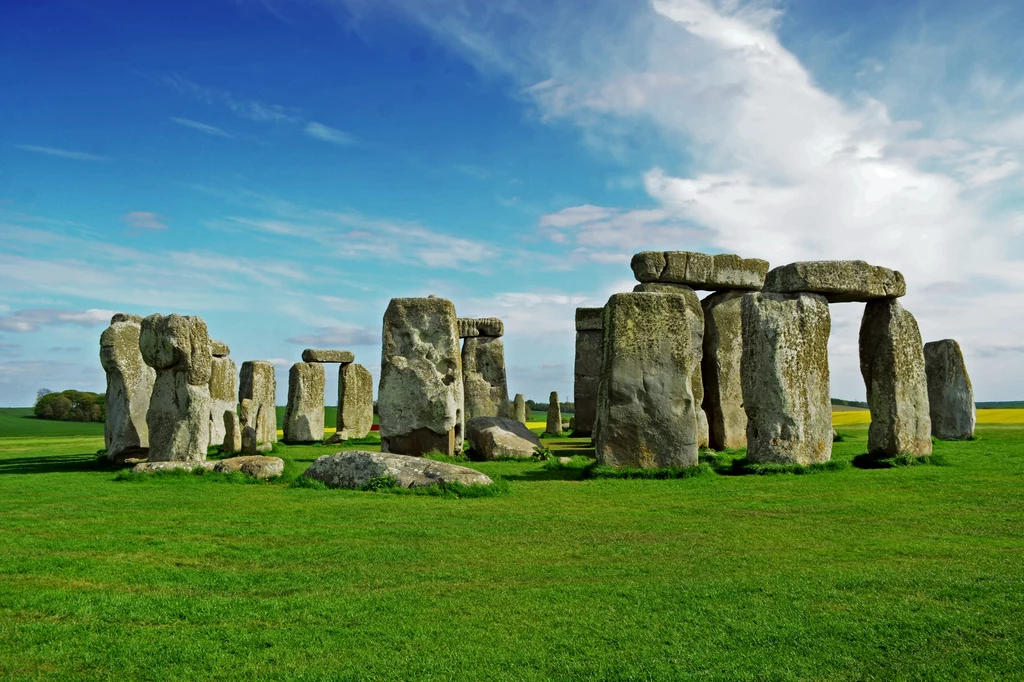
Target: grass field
[{"x": 906, "y": 573}]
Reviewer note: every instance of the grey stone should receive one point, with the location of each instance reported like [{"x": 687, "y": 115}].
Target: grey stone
[
  {"x": 719, "y": 272},
  {"x": 154, "y": 467},
  {"x": 223, "y": 395},
  {"x": 554, "y": 424},
  {"x": 839, "y": 281},
  {"x": 589, "y": 319},
  {"x": 420, "y": 399},
  {"x": 661, "y": 288},
  {"x": 177, "y": 342},
  {"x": 304, "y": 415},
  {"x": 697, "y": 387},
  {"x": 233, "y": 432},
  {"x": 355, "y": 468},
  {"x": 491, "y": 437},
  {"x": 259, "y": 385},
  {"x": 950, "y": 394},
  {"x": 470, "y": 327},
  {"x": 129, "y": 388},
  {"x": 720, "y": 367},
  {"x": 322, "y": 355},
  {"x": 892, "y": 364},
  {"x": 248, "y": 419},
  {"x": 646, "y": 413},
  {"x": 219, "y": 349},
  {"x": 256, "y": 466},
  {"x": 520, "y": 408},
  {"x": 355, "y": 402},
  {"x": 483, "y": 377},
  {"x": 587, "y": 369},
  {"x": 785, "y": 378}
]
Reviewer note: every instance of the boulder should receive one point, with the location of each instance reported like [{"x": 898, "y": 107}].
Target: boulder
[
  {"x": 785, "y": 378},
  {"x": 232, "y": 432},
  {"x": 129, "y": 388},
  {"x": 519, "y": 405},
  {"x": 153, "y": 467},
  {"x": 950, "y": 394},
  {"x": 256, "y": 466},
  {"x": 420, "y": 399},
  {"x": 839, "y": 281},
  {"x": 700, "y": 270},
  {"x": 491, "y": 437},
  {"x": 355, "y": 402},
  {"x": 646, "y": 413},
  {"x": 223, "y": 395},
  {"x": 219, "y": 349},
  {"x": 720, "y": 368},
  {"x": 258, "y": 384},
  {"x": 355, "y": 468},
  {"x": 483, "y": 376},
  {"x": 554, "y": 424},
  {"x": 587, "y": 369},
  {"x": 482, "y": 326},
  {"x": 304, "y": 415},
  {"x": 321, "y": 355},
  {"x": 892, "y": 364}
]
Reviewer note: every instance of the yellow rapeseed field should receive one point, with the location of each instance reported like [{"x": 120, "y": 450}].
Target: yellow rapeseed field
[{"x": 1003, "y": 416}]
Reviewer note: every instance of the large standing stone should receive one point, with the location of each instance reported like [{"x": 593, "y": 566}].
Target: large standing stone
[
  {"x": 223, "y": 395},
  {"x": 356, "y": 468},
  {"x": 587, "y": 375},
  {"x": 554, "y": 425},
  {"x": 233, "y": 433},
  {"x": 258, "y": 385},
  {"x": 248, "y": 419},
  {"x": 839, "y": 281},
  {"x": 304, "y": 415},
  {"x": 700, "y": 270},
  {"x": 892, "y": 364},
  {"x": 355, "y": 402},
  {"x": 129, "y": 387},
  {"x": 950, "y": 395},
  {"x": 483, "y": 376},
  {"x": 785, "y": 378},
  {"x": 519, "y": 405},
  {"x": 646, "y": 413},
  {"x": 491, "y": 437},
  {"x": 720, "y": 367},
  {"x": 178, "y": 348},
  {"x": 321, "y": 355},
  {"x": 420, "y": 399}
]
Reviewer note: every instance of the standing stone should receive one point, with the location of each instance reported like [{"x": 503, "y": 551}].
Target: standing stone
[
  {"x": 697, "y": 386},
  {"x": 554, "y": 426},
  {"x": 785, "y": 378},
  {"x": 258, "y": 385},
  {"x": 304, "y": 415},
  {"x": 178, "y": 348},
  {"x": 483, "y": 375},
  {"x": 646, "y": 414},
  {"x": 950, "y": 395},
  {"x": 223, "y": 395},
  {"x": 892, "y": 364},
  {"x": 233, "y": 433},
  {"x": 355, "y": 402},
  {"x": 520, "y": 408},
  {"x": 129, "y": 387},
  {"x": 420, "y": 399},
  {"x": 587, "y": 374},
  {"x": 720, "y": 367}
]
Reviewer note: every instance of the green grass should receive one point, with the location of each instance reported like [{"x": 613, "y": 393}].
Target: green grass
[
  {"x": 900, "y": 573},
  {"x": 17, "y": 422}
]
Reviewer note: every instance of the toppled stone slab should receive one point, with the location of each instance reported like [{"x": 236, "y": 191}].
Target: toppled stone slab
[
  {"x": 258, "y": 384},
  {"x": 354, "y": 469},
  {"x": 219, "y": 349},
  {"x": 223, "y": 395},
  {"x": 720, "y": 368},
  {"x": 491, "y": 437},
  {"x": 256, "y": 466},
  {"x": 322, "y": 355},
  {"x": 950, "y": 394},
  {"x": 483, "y": 376},
  {"x": 700, "y": 270},
  {"x": 470, "y": 327},
  {"x": 304, "y": 415},
  {"x": 589, "y": 319},
  {"x": 554, "y": 423},
  {"x": 129, "y": 388},
  {"x": 519, "y": 406},
  {"x": 587, "y": 367},
  {"x": 839, "y": 281},
  {"x": 153, "y": 467}
]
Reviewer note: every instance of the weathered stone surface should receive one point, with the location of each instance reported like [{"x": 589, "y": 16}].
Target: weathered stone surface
[
  {"x": 256, "y": 466},
  {"x": 785, "y": 378},
  {"x": 223, "y": 395},
  {"x": 839, "y": 281},
  {"x": 587, "y": 369},
  {"x": 700, "y": 270},
  {"x": 491, "y": 437},
  {"x": 304, "y": 415},
  {"x": 355, "y": 402},
  {"x": 892, "y": 364},
  {"x": 697, "y": 386},
  {"x": 323, "y": 355},
  {"x": 554, "y": 425},
  {"x": 720, "y": 367},
  {"x": 259, "y": 385},
  {"x": 470, "y": 327},
  {"x": 153, "y": 467},
  {"x": 355, "y": 468},
  {"x": 219, "y": 349},
  {"x": 232, "y": 432},
  {"x": 589, "y": 319},
  {"x": 483, "y": 377},
  {"x": 177, "y": 342},
  {"x": 420, "y": 399},
  {"x": 950, "y": 394},
  {"x": 519, "y": 406},
  {"x": 646, "y": 413},
  {"x": 661, "y": 288},
  {"x": 129, "y": 387}
]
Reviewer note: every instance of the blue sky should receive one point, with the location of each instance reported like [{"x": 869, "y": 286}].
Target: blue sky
[{"x": 284, "y": 167}]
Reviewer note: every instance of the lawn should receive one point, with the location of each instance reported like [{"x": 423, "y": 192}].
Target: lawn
[{"x": 906, "y": 573}]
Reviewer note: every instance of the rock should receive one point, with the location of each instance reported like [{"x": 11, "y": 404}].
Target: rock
[
  {"x": 720, "y": 368},
  {"x": 589, "y": 319},
  {"x": 835, "y": 436},
  {"x": 483, "y": 377},
  {"x": 587, "y": 370},
  {"x": 355, "y": 468},
  {"x": 491, "y": 437},
  {"x": 646, "y": 414},
  {"x": 259, "y": 385},
  {"x": 892, "y": 364},
  {"x": 700, "y": 270},
  {"x": 520, "y": 408},
  {"x": 554, "y": 425},
  {"x": 249, "y": 419},
  {"x": 179, "y": 343},
  {"x": 355, "y": 402},
  {"x": 697, "y": 388},
  {"x": 153, "y": 467},
  {"x": 219, "y": 349},
  {"x": 838, "y": 281},
  {"x": 950, "y": 394},
  {"x": 482, "y": 326},
  {"x": 304, "y": 415},
  {"x": 661, "y": 288},
  {"x": 565, "y": 460},
  {"x": 223, "y": 395},
  {"x": 233, "y": 432},
  {"x": 420, "y": 399},
  {"x": 320, "y": 355},
  {"x": 256, "y": 466},
  {"x": 785, "y": 378},
  {"x": 129, "y": 388}
]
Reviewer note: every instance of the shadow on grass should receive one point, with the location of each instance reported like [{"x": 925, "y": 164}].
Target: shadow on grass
[
  {"x": 57, "y": 464},
  {"x": 549, "y": 474},
  {"x": 880, "y": 460}
]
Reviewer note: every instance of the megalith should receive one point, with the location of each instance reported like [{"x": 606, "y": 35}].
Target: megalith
[
  {"x": 693, "y": 270},
  {"x": 520, "y": 408},
  {"x": 328, "y": 355},
  {"x": 646, "y": 413},
  {"x": 892, "y": 364},
  {"x": 420, "y": 396},
  {"x": 355, "y": 402},
  {"x": 483, "y": 369},
  {"x": 258, "y": 385},
  {"x": 304, "y": 414},
  {"x": 720, "y": 368},
  {"x": 587, "y": 370},
  {"x": 232, "y": 432},
  {"x": 554, "y": 424},
  {"x": 785, "y": 377},
  {"x": 950, "y": 395},
  {"x": 223, "y": 394},
  {"x": 178, "y": 348},
  {"x": 129, "y": 387},
  {"x": 839, "y": 281}
]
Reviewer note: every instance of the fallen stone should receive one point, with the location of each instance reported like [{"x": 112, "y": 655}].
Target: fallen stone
[
  {"x": 355, "y": 402},
  {"x": 519, "y": 405},
  {"x": 321, "y": 355},
  {"x": 256, "y": 466},
  {"x": 153, "y": 467},
  {"x": 129, "y": 388},
  {"x": 565, "y": 460},
  {"x": 950, "y": 394},
  {"x": 491, "y": 437},
  {"x": 554, "y": 423},
  {"x": 483, "y": 376},
  {"x": 223, "y": 395},
  {"x": 470, "y": 327},
  {"x": 232, "y": 433},
  {"x": 839, "y": 281},
  {"x": 355, "y": 469},
  {"x": 304, "y": 415},
  {"x": 587, "y": 368},
  {"x": 258, "y": 384},
  {"x": 700, "y": 270},
  {"x": 219, "y": 349},
  {"x": 720, "y": 368}
]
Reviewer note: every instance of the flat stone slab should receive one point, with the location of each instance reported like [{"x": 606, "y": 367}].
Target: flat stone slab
[
  {"x": 700, "y": 270},
  {"x": 323, "y": 355},
  {"x": 153, "y": 467},
  {"x": 257, "y": 466},
  {"x": 355, "y": 468},
  {"x": 480, "y": 326},
  {"x": 219, "y": 349},
  {"x": 839, "y": 281},
  {"x": 491, "y": 437},
  {"x": 589, "y": 319}
]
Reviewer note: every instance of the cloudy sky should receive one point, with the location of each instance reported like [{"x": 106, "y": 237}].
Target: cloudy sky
[{"x": 284, "y": 167}]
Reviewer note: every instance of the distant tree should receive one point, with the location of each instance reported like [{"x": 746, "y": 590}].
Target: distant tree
[
  {"x": 71, "y": 405},
  {"x": 41, "y": 392}
]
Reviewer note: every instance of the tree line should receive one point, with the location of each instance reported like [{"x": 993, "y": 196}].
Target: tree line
[{"x": 70, "y": 406}]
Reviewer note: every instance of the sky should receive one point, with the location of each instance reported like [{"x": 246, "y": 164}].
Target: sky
[{"x": 283, "y": 168}]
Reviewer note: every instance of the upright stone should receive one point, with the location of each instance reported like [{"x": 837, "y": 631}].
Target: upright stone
[
  {"x": 223, "y": 395},
  {"x": 785, "y": 378},
  {"x": 304, "y": 415},
  {"x": 892, "y": 364},
  {"x": 355, "y": 402},
  {"x": 129, "y": 387},
  {"x": 258, "y": 385},
  {"x": 646, "y": 413},
  {"x": 554, "y": 425},
  {"x": 420, "y": 399},
  {"x": 483, "y": 373},
  {"x": 950, "y": 395},
  {"x": 233, "y": 433},
  {"x": 697, "y": 383},
  {"x": 178, "y": 348},
  {"x": 520, "y": 408},
  {"x": 248, "y": 418},
  {"x": 587, "y": 375},
  {"x": 720, "y": 367}
]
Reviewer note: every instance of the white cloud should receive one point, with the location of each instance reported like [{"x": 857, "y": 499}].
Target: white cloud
[
  {"x": 144, "y": 220},
  {"x": 62, "y": 153},
  {"x": 253, "y": 110},
  {"x": 201, "y": 127},
  {"x": 321, "y": 132},
  {"x": 34, "y": 319}
]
